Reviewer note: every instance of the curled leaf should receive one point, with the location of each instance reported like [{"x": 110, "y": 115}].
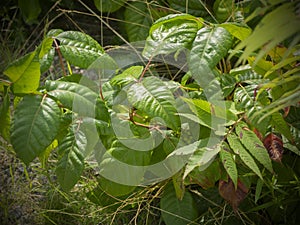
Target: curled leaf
[{"x": 274, "y": 145}]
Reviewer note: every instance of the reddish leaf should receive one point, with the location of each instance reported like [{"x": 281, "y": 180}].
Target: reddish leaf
[
  {"x": 274, "y": 145},
  {"x": 232, "y": 196}
]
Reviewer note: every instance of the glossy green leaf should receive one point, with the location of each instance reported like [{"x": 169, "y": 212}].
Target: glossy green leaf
[
  {"x": 109, "y": 5},
  {"x": 78, "y": 48},
  {"x": 153, "y": 97},
  {"x": 224, "y": 9},
  {"x": 254, "y": 145},
  {"x": 35, "y": 125},
  {"x": 75, "y": 97},
  {"x": 240, "y": 150},
  {"x": 229, "y": 163},
  {"x": 237, "y": 30},
  {"x": 128, "y": 76},
  {"x": 138, "y": 21},
  {"x": 171, "y": 33},
  {"x": 228, "y": 83},
  {"x": 24, "y": 73},
  {"x": 71, "y": 161},
  {"x": 5, "y": 114},
  {"x": 209, "y": 47},
  {"x": 175, "y": 211}
]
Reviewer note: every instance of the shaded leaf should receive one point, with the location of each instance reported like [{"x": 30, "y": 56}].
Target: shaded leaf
[
  {"x": 71, "y": 161},
  {"x": 229, "y": 163},
  {"x": 5, "y": 114},
  {"x": 254, "y": 145},
  {"x": 109, "y": 5},
  {"x": 30, "y": 10},
  {"x": 175, "y": 211},
  {"x": 224, "y": 9},
  {"x": 138, "y": 21},
  {"x": 34, "y": 127}
]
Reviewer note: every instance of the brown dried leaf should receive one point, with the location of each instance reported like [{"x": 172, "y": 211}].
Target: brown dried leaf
[{"x": 232, "y": 196}]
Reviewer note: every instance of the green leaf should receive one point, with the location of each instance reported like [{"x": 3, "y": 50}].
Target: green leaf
[
  {"x": 71, "y": 162},
  {"x": 171, "y": 33},
  {"x": 229, "y": 163},
  {"x": 113, "y": 188},
  {"x": 46, "y": 54},
  {"x": 128, "y": 76},
  {"x": 153, "y": 97},
  {"x": 78, "y": 48},
  {"x": 210, "y": 115},
  {"x": 138, "y": 21},
  {"x": 193, "y": 7},
  {"x": 228, "y": 83},
  {"x": 240, "y": 150},
  {"x": 129, "y": 156},
  {"x": 254, "y": 145},
  {"x": 281, "y": 126},
  {"x": 278, "y": 25},
  {"x": 24, "y": 73},
  {"x": 109, "y": 5},
  {"x": 202, "y": 156},
  {"x": 46, "y": 61},
  {"x": 237, "y": 30},
  {"x": 209, "y": 47},
  {"x": 35, "y": 125},
  {"x": 224, "y": 9},
  {"x": 30, "y": 10},
  {"x": 258, "y": 190},
  {"x": 75, "y": 97},
  {"x": 5, "y": 114},
  {"x": 175, "y": 211}
]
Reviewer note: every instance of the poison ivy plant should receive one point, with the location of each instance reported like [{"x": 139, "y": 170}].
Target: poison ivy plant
[{"x": 216, "y": 126}]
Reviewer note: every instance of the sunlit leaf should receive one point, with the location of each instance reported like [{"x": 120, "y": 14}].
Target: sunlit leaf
[
  {"x": 24, "y": 73},
  {"x": 240, "y": 150}
]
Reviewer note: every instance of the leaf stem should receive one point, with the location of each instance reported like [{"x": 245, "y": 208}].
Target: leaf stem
[
  {"x": 60, "y": 56},
  {"x": 146, "y": 68}
]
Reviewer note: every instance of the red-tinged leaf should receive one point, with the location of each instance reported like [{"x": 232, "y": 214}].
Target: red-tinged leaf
[
  {"x": 233, "y": 196},
  {"x": 274, "y": 145}
]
